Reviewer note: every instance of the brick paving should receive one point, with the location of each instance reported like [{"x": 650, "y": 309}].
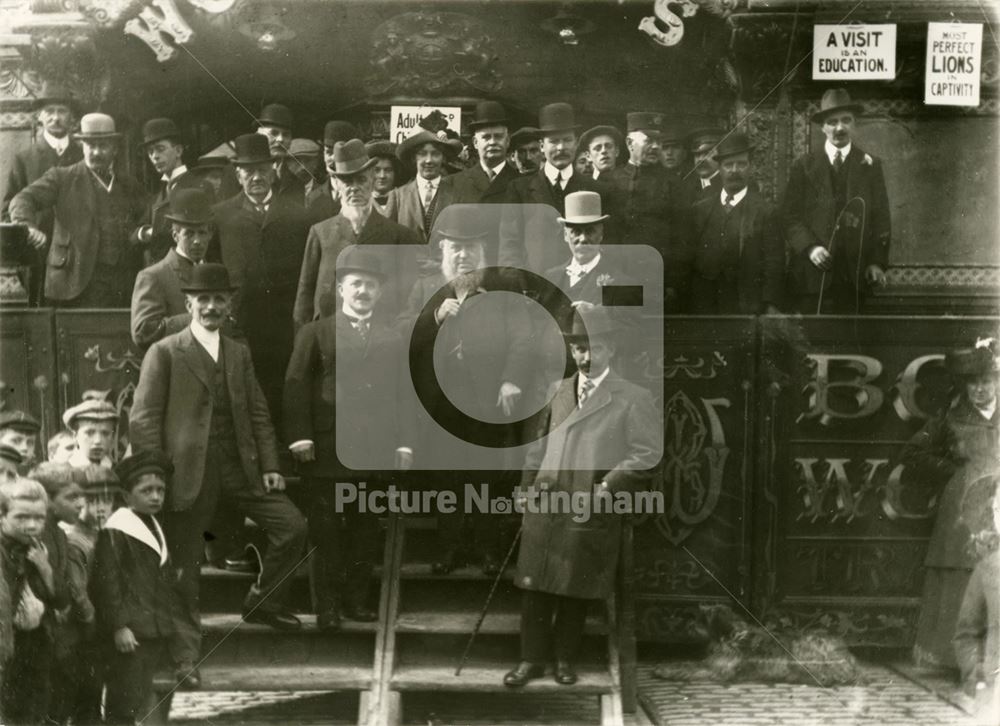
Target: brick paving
[{"x": 886, "y": 699}]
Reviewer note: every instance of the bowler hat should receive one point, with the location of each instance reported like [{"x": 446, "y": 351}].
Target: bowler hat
[
  {"x": 409, "y": 147},
  {"x": 90, "y": 409},
  {"x": 97, "y": 126},
  {"x": 355, "y": 258},
  {"x": 591, "y": 134},
  {"x": 583, "y": 208},
  {"x": 335, "y": 131},
  {"x": 150, "y": 461},
  {"x": 9, "y": 453},
  {"x": 592, "y": 323},
  {"x": 52, "y": 93},
  {"x": 13, "y": 243},
  {"x": 488, "y": 113},
  {"x": 275, "y": 114},
  {"x": 20, "y": 421},
  {"x": 460, "y": 223},
  {"x": 704, "y": 139},
  {"x": 733, "y": 144},
  {"x": 556, "y": 117},
  {"x": 209, "y": 277},
  {"x": 159, "y": 128},
  {"x": 524, "y": 135},
  {"x": 191, "y": 207},
  {"x": 835, "y": 99},
  {"x": 252, "y": 149},
  {"x": 648, "y": 122},
  {"x": 350, "y": 157},
  {"x": 968, "y": 362}
]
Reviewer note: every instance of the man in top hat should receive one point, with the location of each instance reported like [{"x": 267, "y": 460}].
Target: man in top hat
[
  {"x": 19, "y": 431},
  {"x": 738, "y": 265},
  {"x": 344, "y": 390},
  {"x": 275, "y": 124},
  {"x": 526, "y": 150},
  {"x": 322, "y": 201},
  {"x": 649, "y": 207},
  {"x": 603, "y": 437},
  {"x": 703, "y": 179},
  {"x": 199, "y": 402},
  {"x": 353, "y": 178},
  {"x": 387, "y": 173},
  {"x": 835, "y": 259},
  {"x": 262, "y": 236},
  {"x": 417, "y": 203},
  {"x": 530, "y": 236},
  {"x": 603, "y": 145},
  {"x": 158, "y": 305},
  {"x": 164, "y": 147},
  {"x": 57, "y": 113},
  {"x": 94, "y": 423},
  {"x": 89, "y": 262}
]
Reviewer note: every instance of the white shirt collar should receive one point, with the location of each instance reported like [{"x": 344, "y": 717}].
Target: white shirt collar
[
  {"x": 209, "y": 339},
  {"x": 178, "y": 170},
  {"x": 496, "y": 169},
  {"x": 422, "y": 183},
  {"x": 576, "y": 269},
  {"x": 179, "y": 253},
  {"x": 264, "y": 203},
  {"x": 831, "y": 151},
  {"x": 351, "y": 314},
  {"x": 707, "y": 182},
  {"x": 737, "y": 198},
  {"x": 596, "y": 381},
  {"x": 59, "y": 145},
  {"x": 988, "y": 412},
  {"x": 551, "y": 173},
  {"x": 78, "y": 460}
]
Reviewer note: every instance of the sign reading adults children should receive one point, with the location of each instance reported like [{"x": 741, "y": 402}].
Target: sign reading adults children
[
  {"x": 954, "y": 54},
  {"x": 404, "y": 121},
  {"x": 854, "y": 52}
]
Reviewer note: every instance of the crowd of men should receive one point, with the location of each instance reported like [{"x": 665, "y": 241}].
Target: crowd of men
[{"x": 278, "y": 340}]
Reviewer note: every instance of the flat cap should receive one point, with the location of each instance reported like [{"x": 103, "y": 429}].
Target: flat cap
[
  {"x": 19, "y": 420},
  {"x": 151, "y": 461}
]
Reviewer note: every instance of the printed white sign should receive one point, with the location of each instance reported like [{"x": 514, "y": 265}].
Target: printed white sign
[
  {"x": 954, "y": 55},
  {"x": 404, "y": 121},
  {"x": 854, "y": 52}
]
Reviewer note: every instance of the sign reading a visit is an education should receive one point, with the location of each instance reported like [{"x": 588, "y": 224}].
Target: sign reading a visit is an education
[
  {"x": 404, "y": 121},
  {"x": 954, "y": 54},
  {"x": 854, "y": 52}
]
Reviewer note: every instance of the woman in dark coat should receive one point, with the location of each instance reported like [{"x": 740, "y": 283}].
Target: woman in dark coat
[{"x": 959, "y": 447}]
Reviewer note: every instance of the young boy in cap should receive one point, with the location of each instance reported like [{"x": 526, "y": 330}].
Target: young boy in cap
[
  {"x": 131, "y": 587},
  {"x": 19, "y": 431},
  {"x": 93, "y": 423}
]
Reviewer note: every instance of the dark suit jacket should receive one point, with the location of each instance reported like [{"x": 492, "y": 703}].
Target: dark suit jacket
[
  {"x": 317, "y": 289},
  {"x": 588, "y": 289},
  {"x": 72, "y": 255},
  {"x": 472, "y": 186},
  {"x": 290, "y": 187},
  {"x": 320, "y": 204},
  {"x": 30, "y": 164},
  {"x": 404, "y": 206},
  {"x": 332, "y": 368},
  {"x": 531, "y": 237},
  {"x": 158, "y": 307},
  {"x": 172, "y": 410},
  {"x": 809, "y": 216},
  {"x": 758, "y": 272}
]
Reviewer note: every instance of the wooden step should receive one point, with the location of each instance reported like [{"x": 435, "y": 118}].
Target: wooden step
[
  {"x": 488, "y": 678},
  {"x": 495, "y": 623},
  {"x": 290, "y": 677},
  {"x": 213, "y": 623}
]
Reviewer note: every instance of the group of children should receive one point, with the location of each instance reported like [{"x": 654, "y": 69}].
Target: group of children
[{"x": 87, "y": 598}]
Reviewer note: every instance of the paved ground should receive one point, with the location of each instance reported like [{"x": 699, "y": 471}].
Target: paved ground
[{"x": 887, "y": 699}]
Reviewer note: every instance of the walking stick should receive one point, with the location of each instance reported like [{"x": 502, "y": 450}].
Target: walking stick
[
  {"x": 486, "y": 605},
  {"x": 833, "y": 236}
]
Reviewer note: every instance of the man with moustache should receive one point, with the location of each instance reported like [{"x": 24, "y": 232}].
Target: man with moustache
[
  {"x": 739, "y": 256},
  {"x": 603, "y": 144},
  {"x": 275, "y": 124},
  {"x": 387, "y": 173},
  {"x": 842, "y": 266},
  {"x": 526, "y": 150},
  {"x": 161, "y": 140},
  {"x": 322, "y": 201},
  {"x": 89, "y": 262},
  {"x": 57, "y": 112},
  {"x": 703, "y": 180},
  {"x": 158, "y": 306},
  {"x": 352, "y": 176},
  {"x": 418, "y": 203}
]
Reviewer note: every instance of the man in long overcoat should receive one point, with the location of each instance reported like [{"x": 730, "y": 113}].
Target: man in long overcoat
[{"x": 601, "y": 437}]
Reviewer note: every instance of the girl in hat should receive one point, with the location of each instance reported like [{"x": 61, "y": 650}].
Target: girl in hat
[{"x": 959, "y": 447}]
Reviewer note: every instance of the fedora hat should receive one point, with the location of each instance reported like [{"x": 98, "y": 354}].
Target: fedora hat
[
  {"x": 52, "y": 93},
  {"x": 350, "y": 157},
  {"x": 209, "y": 277},
  {"x": 191, "y": 207},
  {"x": 356, "y": 259},
  {"x": 704, "y": 138},
  {"x": 97, "y": 126},
  {"x": 583, "y": 208},
  {"x": 733, "y": 144},
  {"x": 556, "y": 117},
  {"x": 524, "y": 135},
  {"x": 410, "y": 146},
  {"x": 460, "y": 223},
  {"x": 252, "y": 149},
  {"x": 488, "y": 113},
  {"x": 591, "y": 134},
  {"x": 275, "y": 114},
  {"x": 835, "y": 99},
  {"x": 159, "y": 128},
  {"x": 335, "y": 131},
  {"x": 592, "y": 323},
  {"x": 648, "y": 122}
]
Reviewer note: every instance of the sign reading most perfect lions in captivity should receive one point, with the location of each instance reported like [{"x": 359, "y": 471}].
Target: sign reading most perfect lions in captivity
[
  {"x": 854, "y": 52},
  {"x": 954, "y": 52},
  {"x": 404, "y": 121}
]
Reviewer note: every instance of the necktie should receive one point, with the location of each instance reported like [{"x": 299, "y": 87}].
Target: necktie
[
  {"x": 585, "y": 388},
  {"x": 838, "y": 160},
  {"x": 727, "y": 206},
  {"x": 362, "y": 326},
  {"x": 429, "y": 197},
  {"x": 559, "y": 190},
  {"x": 491, "y": 175}
]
